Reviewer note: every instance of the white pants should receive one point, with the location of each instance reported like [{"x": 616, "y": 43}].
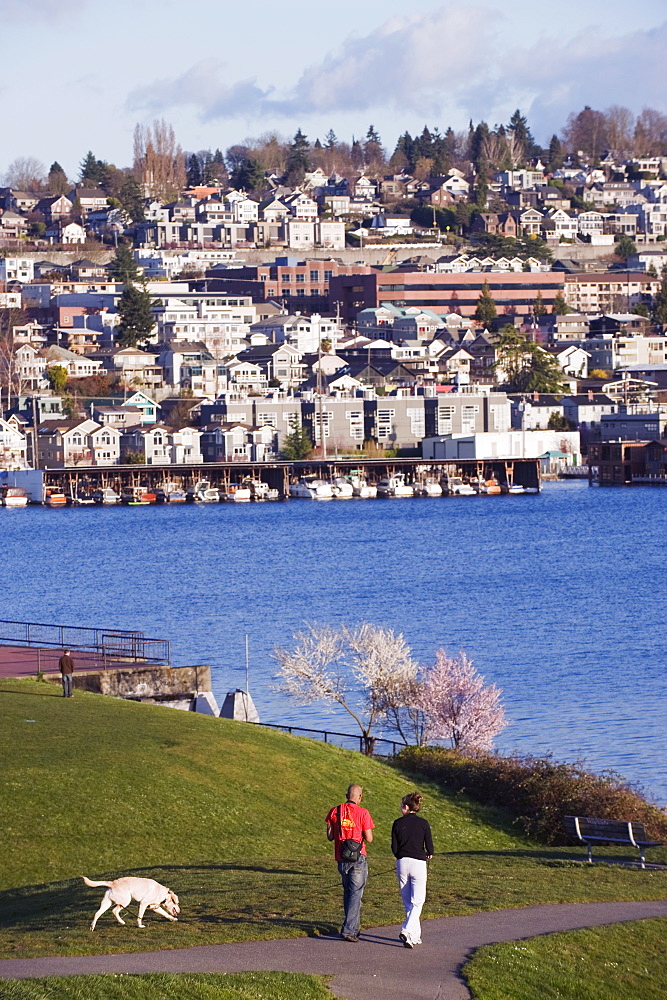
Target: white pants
[{"x": 412, "y": 883}]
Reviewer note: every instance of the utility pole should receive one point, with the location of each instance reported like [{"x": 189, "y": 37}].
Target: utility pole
[{"x": 323, "y": 444}]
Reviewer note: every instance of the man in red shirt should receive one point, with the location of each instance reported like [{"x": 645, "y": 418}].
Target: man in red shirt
[{"x": 349, "y": 821}]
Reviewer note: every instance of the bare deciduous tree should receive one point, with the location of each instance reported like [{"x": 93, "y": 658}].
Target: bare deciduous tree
[
  {"x": 159, "y": 163},
  {"x": 25, "y": 173},
  {"x": 459, "y": 706},
  {"x": 368, "y": 671}
]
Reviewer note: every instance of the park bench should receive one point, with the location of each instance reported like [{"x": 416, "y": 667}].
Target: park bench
[{"x": 609, "y": 831}]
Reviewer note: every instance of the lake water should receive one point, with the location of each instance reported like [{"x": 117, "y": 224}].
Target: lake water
[{"x": 560, "y": 599}]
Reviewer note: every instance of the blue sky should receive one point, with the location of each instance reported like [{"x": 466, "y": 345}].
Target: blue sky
[{"x": 79, "y": 74}]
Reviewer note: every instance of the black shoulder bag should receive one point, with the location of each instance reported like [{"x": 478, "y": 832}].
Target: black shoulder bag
[{"x": 350, "y": 850}]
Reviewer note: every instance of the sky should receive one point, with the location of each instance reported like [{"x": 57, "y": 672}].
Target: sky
[{"x": 80, "y": 74}]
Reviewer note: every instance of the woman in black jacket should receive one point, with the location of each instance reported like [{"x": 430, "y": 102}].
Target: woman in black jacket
[{"x": 412, "y": 846}]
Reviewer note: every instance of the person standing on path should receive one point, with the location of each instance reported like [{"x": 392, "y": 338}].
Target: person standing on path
[
  {"x": 346, "y": 823},
  {"x": 66, "y": 664},
  {"x": 412, "y": 846}
]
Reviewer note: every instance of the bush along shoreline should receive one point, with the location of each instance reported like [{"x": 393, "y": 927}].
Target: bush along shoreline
[{"x": 538, "y": 791}]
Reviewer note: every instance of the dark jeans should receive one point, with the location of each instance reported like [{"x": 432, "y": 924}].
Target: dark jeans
[
  {"x": 67, "y": 685},
  {"x": 353, "y": 875}
]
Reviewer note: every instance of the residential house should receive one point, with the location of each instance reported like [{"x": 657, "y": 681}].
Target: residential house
[
  {"x": 17, "y": 269},
  {"x": 65, "y": 232},
  {"x": 104, "y": 445},
  {"x": 76, "y": 365},
  {"x": 151, "y": 444},
  {"x": 237, "y": 442},
  {"x": 13, "y": 446},
  {"x": 89, "y": 199},
  {"x": 280, "y": 363},
  {"x": 65, "y": 443},
  {"x": 147, "y": 405}
]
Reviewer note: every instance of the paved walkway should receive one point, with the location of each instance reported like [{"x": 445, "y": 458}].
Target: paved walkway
[{"x": 378, "y": 968}]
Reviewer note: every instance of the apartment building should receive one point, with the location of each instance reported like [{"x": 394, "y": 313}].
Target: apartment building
[{"x": 513, "y": 293}]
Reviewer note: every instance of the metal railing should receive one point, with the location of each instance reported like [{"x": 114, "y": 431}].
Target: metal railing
[
  {"x": 326, "y": 733},
  {"x": 95, "y": 647}
]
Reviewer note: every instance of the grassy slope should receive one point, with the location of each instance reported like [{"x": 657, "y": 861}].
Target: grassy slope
[
  {"x": 231, "y": 817},
  {"x": 157, "y": 986},
  {"x": 622, "y": 962}
]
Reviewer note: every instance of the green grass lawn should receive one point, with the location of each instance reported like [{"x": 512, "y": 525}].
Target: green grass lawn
[
  {"x": 621, "y": 962},
  {"x": 231, "y": 817},
  {"x": 157, "y": 986}
]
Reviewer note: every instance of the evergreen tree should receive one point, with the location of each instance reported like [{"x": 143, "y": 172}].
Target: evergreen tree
[
  {"x": 373, "y": 151},
  {"x": 486, "y": 311},
  {"x": 357, "y": 154},
  {"x": 660, "y": 301},
  {"x": 555, "y": 160},
  {"x": 123, "y": 267},
  {"x": 57, "y": 180},
  {"x": 248, "y": 176},
  {"x": 518, "y": 127},
  {"x": 93, "y": 171},
  {"x": 136, "y": 317},
  {"x": 297, "y": 444},
  {"x": 525, "y": 366},
  {"x": 193, "y": 171},
  {"x": 298, "y": 159},
  {"x": 218, "y": 168},
  {"x": 560, "y": 306},
  {"x": 625, "y": 246},
  {"x": 539, "y": 308},
  {"x": 405, "y": 149},
  {"x": 131, "y": 198},
  {"x": 206, "y": 167},
  {"x": 330, "y": 140}
]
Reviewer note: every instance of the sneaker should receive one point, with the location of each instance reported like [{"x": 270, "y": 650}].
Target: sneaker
[
  {"x": 407, "y": 944},
  {"x": 402, "y": 937}
]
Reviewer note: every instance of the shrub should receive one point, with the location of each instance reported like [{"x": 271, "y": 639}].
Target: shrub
[{"x": 539, "y": 791}]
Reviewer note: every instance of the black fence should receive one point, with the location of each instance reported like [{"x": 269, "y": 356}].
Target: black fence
[{"x": 353, "y": 742}]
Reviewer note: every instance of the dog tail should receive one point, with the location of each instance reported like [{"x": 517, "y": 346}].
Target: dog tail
[{"x": 90, "y": 882}]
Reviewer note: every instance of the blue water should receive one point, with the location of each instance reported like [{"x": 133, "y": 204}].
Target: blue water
[{"x": 560, "y": 599}]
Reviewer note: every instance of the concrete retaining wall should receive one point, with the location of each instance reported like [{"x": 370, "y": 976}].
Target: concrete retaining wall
[{"x": 158, "y": 684}]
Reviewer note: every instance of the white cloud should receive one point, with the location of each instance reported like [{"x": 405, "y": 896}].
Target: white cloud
[
  {"x": 446, "y": 66},
  {"x": 408, "y": 62}
]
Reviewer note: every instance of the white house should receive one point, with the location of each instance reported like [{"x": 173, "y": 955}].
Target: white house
[
  {"x": 104, "y": 445},
  {"x": 13, "y": 446},
  {"x": 17, "y": 269}
]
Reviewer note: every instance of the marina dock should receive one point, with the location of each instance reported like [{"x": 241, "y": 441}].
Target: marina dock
[{"x": 279, "y": 475}]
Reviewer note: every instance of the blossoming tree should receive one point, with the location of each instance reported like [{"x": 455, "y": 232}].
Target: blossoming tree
[{"x": 458, "y": 705}]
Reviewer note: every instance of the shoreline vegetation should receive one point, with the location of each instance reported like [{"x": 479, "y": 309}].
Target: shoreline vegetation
[{"x": 538, "y": 791}]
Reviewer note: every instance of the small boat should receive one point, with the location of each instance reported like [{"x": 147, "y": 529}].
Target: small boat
[
  {"x": 395, "y": 486},
  {"x": 83, "y": 500},
  {"x": 341, "y": 488},
  {"x": 169, "y": 493},
  {"x": 14, "y": 496},
  {"x": 106, "y": 495},
  {"x": 137, "y": 496},
  {"x": 311, "y": 488},
  {"x": 361, "y": 487},
  {"x": 429, "y": 487},
  {"x": 202, "y": 492},
  {"x": 236, "y": 493},
  {"x": 260, "y": 490},
  {"x": 457, "y": 487},
  {"x": 490, "y": 486},
  {"x": 55, "y": 498},
  {"x": 515, "y": 488}
]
